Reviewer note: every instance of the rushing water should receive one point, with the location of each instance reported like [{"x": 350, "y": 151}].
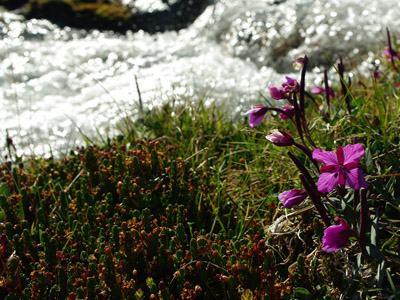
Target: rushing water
[{"x": 55, "y": 80}]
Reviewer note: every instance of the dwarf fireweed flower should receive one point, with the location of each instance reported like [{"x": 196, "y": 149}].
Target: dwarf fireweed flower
[
  {"x": 280, "y": 138},
  {"x": 292, "y": 197},
  {"x": 277, "y": 94},
  {"x": 289, "y": 87},
  {"x": 336, "y": 236},
  {"x": 289, "y": 109},
  {"x": 299, "y": 62},
  {"x": 389, "y": 53},
  {"x": 340, "y": 168},
  {"x": 321, "y": 90},
  {"x": 257, "y": 114},
  {"x": 376, "y": 74}
]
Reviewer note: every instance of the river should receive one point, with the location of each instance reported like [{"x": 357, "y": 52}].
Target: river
[{"x": 56, "y": 82}]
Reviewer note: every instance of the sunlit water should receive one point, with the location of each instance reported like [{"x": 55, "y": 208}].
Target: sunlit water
[{"x": 54, "y": 81}]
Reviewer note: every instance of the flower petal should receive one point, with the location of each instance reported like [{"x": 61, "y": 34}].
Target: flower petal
[
  {"x": 327, "y": 182},
  {"x": 326, "y": 157},
  {"x": 293, "y": 201},
  {"x": 280, "y": 138},
  {"x": 282, "y": 196},
  {"x": 292, "y": 197},
  {"x": 257, "y": 114},
  {"x": 352, "y": 165},
  {"x": 256, "y": 120},
  {"x": 283, "y": 117},
  {"x": 289, "y": 110},
  {"x": 275, "y": 93},
  {"x": 342, "y": 178},
  {"x": 317, "y": 90},
  {"x": 289, "y": 81},
  {"x": 340, "y": 155},
  {"x": 330, "y": 169},
  {"x": 355, "y": 179},
  {"x": 336, "y": 236},
  {"x": 353, "y": 153}
]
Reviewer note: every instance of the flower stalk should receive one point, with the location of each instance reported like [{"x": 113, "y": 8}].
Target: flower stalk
[
  {"x": 343, "y": 89},
  {"x": 315, "y": 198},
  {"x": 327, "y": 96},
  {"x": 311, "y": 189},
  {"x": 391, "y": 51},
  {"x": 302, "y": 83},
  {"x": 364, "y": 218}
]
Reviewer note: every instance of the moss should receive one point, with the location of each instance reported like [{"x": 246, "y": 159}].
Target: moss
[{"x": 101, "y": 15}]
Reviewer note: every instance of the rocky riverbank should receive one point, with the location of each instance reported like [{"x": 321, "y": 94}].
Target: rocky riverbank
[{"x": 110, "y": 15}]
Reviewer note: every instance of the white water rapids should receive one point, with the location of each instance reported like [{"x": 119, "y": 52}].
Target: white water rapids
[{"x": 55, "y": 80}]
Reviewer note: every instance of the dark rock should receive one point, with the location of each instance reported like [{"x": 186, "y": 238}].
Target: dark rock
[
  {"x": 179, "y": 15},
  {"x": 56, "y": 11},
  {"x": 112, "y": 15},
  {"x": 13, "y": 4}
]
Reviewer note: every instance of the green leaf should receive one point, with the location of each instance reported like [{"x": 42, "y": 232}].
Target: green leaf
[
  {"x": 357, "y": 265},
  {"x": 392, "y": 284},
  {"x": 391, "y": 211},
  {"x": 373, "y": 251},
  {"x": 368, "y": 158},
  {"x": 392, "y": 242},
  {"x": 299, "y": 291},
  {"x": 380, "y": 274},
  {"x": 4, "y": 189},
  {"x": 374, "y": 230}
]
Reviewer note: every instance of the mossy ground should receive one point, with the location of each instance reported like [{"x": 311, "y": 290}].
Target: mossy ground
[{"x": 183, "y": 205}]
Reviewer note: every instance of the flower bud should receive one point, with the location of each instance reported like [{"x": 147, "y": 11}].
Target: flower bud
[
  {"x": 289, "y": 110},
  {"x": 292, "y": 197},
  {"x": 280, "y": 138}
]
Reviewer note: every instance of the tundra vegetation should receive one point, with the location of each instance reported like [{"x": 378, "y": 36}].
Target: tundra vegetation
[{"x": 189, "y": 203}]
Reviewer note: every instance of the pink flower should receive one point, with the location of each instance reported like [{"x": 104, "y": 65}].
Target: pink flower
[
  {"x": 299, "y": 62},
  {"x": 376, "y": 74},
  {"x": 289, "y": 87},
  {"x": 336, "y": 236},
  {"x": 257, "y": 114},
  {"x": 280, "y": 138},
  {"x": 389, "y": 54},
  {"x": 321, "y": 90},
  {"x": 292, "y": 197},
  {"x": 277, "y": 94},
  {"x": 340, "y": 168},
  {"x": 289, "y": 109}
]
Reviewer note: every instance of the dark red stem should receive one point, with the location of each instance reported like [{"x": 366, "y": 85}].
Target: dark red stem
[
  {"x": 390, "y": 48},
  {"x": 302, "y": 83},
  {"x": 316, "y": 200},
  {"x": 364, "y": 218},
  {"x": 327, "y": 97}
]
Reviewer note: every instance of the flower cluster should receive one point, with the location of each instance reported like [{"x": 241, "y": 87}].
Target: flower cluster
[
  {"x": 339, "y": 169},
  {"x": 288, "y": 89}
]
